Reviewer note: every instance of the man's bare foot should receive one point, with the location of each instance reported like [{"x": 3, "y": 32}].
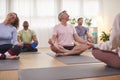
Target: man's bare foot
[
  {"x": 78, "y": 50},
  {"x": 62, "y": 48},
  {"x": 60, "y": 54},
  {"x": 12, "y": 57}
]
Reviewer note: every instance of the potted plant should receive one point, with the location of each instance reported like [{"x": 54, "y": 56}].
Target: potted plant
[
  {"x": 88, "y": 22},
  {"x": 104, "y": 36},
  {"x": 73, "y": 21}
]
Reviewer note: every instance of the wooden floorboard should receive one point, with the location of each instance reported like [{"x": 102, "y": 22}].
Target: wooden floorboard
[{"x": 9, "y": 75}]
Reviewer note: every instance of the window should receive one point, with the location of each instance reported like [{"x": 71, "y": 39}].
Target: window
[
  {"x": 2, "y": 9},
  {"x": 42, "y": 14},
  {"x": 23, "y": 8},
  {"x": 72, "y": 7},
  {"x": 45, "y": 8},
  {"x": 91, "y": 8}
]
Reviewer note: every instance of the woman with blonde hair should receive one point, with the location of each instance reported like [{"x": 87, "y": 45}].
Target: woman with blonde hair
[{"x": 9, "y": 46}]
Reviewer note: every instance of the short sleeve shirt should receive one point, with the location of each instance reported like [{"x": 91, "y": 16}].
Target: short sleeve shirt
[
  {"x": 26, "y": 36},
  {"x": 81, "y": 31},
  {"x": 64, "y": 34}
]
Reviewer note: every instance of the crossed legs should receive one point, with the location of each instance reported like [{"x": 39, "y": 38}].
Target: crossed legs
[
  {"x": 110, "y": 58},
  {"x": 9, "y": 52},
  {"x": 60, "y": 50}
]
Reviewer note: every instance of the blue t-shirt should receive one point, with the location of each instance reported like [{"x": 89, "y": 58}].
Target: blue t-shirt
[
  {"x": 81, "y": 31},
  {"x": 8, "y": 34}
]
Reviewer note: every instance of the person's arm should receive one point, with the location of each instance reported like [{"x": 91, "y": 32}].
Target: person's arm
[
  {"x": 53, "y": 39},
  {"x": 113, "y": 43},
  {"x": 90, "y": 38},
  {"x": 35, "y": 39},
  {"x": 78, "y": 39},
  {"x": 19, "y": 37},
  {"x": 15, "y": 38}
]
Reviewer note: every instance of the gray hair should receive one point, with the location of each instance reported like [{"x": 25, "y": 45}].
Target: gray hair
[{"x": 61, "y": 14}]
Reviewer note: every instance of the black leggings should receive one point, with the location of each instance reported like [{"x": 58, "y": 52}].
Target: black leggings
[
  {"x": 13, "y": 50},
  {"x": 4, "y": 48}
]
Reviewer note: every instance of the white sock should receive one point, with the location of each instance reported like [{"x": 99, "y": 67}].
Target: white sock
[{"x": 7, "y": 54}]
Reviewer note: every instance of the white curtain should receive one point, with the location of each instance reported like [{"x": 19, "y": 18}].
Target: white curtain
[
  {"x": 2, "y": 9},
  {"x": 42, "y": 14}
]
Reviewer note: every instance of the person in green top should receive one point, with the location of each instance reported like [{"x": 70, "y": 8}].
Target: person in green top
[{"x": 28, "y": 37}]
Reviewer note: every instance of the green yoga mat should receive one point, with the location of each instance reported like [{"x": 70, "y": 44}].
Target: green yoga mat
[
  {"x": 68, "y": 72},
  {"x": 75, "y": 59}
]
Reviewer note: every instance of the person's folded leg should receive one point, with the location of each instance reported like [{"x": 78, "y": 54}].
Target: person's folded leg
[
  {"x": 58, "y": 49},
  {"x": 29, "y": 47},
  {"x": 15, "y": 51},
  {"x": 9, "y": 57},
  {"x": 5, "y": 47},
  {"x": 77, "y": 50},
  {"x": 11, "y": 53},
  {"x": 2, "y": 56},
  {"x": 110, "y": 58}
]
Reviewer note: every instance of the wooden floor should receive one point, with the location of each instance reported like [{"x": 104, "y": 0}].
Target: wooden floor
[{"x": 43, "y": 61}]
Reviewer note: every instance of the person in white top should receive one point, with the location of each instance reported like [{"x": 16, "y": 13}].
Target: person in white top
[
  {"x": 64, "y": 35},
  {"x": 109, "y": 51}
]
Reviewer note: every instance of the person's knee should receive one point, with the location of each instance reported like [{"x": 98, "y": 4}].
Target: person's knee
[
  {"x": 95, "y": 53},
  {"x": 53, "y": 48},
  {"x": 81, "y": 47},
  {"x": 114, "y": 63},
  {"x": 77, "y": 47},
  {"x": 16, "y": 49}
]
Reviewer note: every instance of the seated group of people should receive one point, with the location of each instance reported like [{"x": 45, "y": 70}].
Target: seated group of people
[
  {"x": 63, "y": 41},
  {"x": 13, "y": 43},
  {"x": 65, "y": 36}
]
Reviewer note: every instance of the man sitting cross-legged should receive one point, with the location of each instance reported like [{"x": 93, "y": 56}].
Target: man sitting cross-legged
[
  {"x": 64, "y": 35},
  {"x": 27, "y": 36}
]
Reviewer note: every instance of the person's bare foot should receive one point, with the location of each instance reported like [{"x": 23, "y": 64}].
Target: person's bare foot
[
  {"x": 62, "y": 48},
  {"x": 12, "y": 57},
  {"x": 81, "y": 50},
  {"x": 60, "y": 54}
]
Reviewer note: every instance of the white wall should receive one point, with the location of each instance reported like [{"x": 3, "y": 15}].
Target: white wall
[{"x": 109, "y": 9}]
